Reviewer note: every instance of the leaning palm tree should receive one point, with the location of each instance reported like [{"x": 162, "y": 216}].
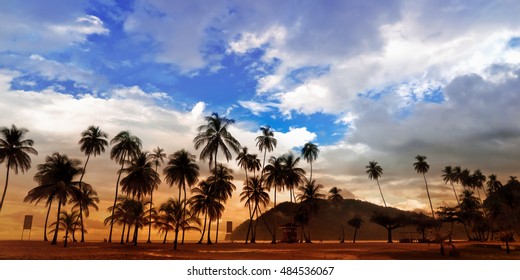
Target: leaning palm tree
[
  {"x": 140, "y": 178},
  {"x": 125, "y": 147},
  {"x": 309, "y": 196},
  {"x": 254, "y": 195},
  {"x": 421, "y": 166},
  {"x": 266, "y": 142},
  {"x": 15, "y": 150},
  {"x": 183, "y": 170},
  {"x": 55, "y": 178},
  {"x": 310, "y": 154},
  {"x": 214, "y": 136},
  {"x": 93, "y": 142},
  {"x": 449, "y": 176},
  {"x": 157, "y": 156},
  {"x": 67, "y": 222},
  {"x": 337, "y": 200},
  {"x": 205, "y": 201},
  {"x": 374, "y": 173},
  {"x": 274, "y": 177},
  {"x": 222, "y": 180},
  {"x": 88, "y": 199},
  {"x": 294, "y": 175}
]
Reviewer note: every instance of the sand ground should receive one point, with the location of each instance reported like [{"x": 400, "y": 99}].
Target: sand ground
[{"x": 39, "y": 250}]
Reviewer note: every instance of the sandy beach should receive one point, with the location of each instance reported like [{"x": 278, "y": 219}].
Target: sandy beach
[{"x": 39, "y": 250}]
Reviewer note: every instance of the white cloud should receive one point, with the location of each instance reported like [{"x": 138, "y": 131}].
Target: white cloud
[
  {"x": 82, "y": 27},
  {"x": 248, "y": 40}
]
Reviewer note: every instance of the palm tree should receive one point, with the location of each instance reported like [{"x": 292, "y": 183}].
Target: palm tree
[
  {"x": 67, "y": 222},
  {"x": 14, "y": 150},
  {"x": 174, "y": 216},
  {"x": 126, "y": 146},
  {"x": 375, "y": 172},
  {"x": 478, "y": 180},
  {"x": 493, "y": 184},
  {"x": 266, "y": 142},
  {"x": 274, "y": 176},
  {"x": 309, "y": 196},
  {"x": 421, "y": 166},
  {"x": 243, "y": 160},
  {"x": 55, "y": 178},
  {"x": 222, "y": 181},
  {"x": 158, "y": 155},
  {"x": 89, "y": 198},
  {"x": 120, "y": 214},
  {"x": 254, "y": 194},
  {"x": 214, "y": 136},
  {"x": 310, "y": 154},
  {"x": 294, "y": 175},
  {"x": 449, "y": 176},
  {"x": 356, "y": 223},
  {"x": 337, "y": 200},
  {"x": 182, "y": 169},
  {"x": 93, "y": 142},
  {"x": 140, "y": 178},
  {"x": 205, "y": 201}
]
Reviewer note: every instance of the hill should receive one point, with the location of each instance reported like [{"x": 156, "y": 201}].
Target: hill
[{"x": 326, "y": 225}]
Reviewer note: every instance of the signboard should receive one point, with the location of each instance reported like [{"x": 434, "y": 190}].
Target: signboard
[
  {"x": 229, "y": 227},
  {"x": 27, "y": 222}
]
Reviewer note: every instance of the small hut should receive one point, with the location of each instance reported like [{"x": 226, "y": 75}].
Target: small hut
[{"x": 289, "y": 233}]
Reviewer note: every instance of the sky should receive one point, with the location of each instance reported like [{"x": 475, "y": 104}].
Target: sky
[{"x": 366, "y": 81}]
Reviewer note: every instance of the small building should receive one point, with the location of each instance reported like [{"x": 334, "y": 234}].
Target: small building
[{"x": 289, "y": 233}]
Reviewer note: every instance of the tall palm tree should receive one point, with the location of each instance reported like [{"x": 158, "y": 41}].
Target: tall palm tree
[
  {"x": 493, "y": 184},
  {"x": 67, "y": 222},
  {"x": 141, "y": 177},
  {"x": 125, "y": 147},
  {"x": 214, "y": 136},
  {"x": 93, "y": 142},
  {"x": 375, "y": 172},
  {"x": 266, "y": 142},
  {"x": 421, "y": 166},
  {"x": 222, "y": 180},
  {"x": 183, "y": 170},
  {"x": 15, "y": 150},
  {"x": 254, "y": 163},
  {"x": 254, "y": 195},
  {"x": 205, "y": 201},
  {"x": 478, "y": 180},
  {"x": 55, "y": 178},
  {"x": 310, "y": 154},
  {"x": 294, "y": 175},
  {"x": 449, "y": 176},
  {"x": 309, "y": 196},
  {"x": 243, "y": 160},
  {"x": 337, "y": 200},
  {"x": 89, "y": 198},
  {"x": 274, "y": 177},
  {"x": 158, "y": 155}
]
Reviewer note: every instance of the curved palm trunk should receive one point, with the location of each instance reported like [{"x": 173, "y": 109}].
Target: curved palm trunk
[
  {"x": 66, "y": 237},
  {"x": 115, "y": 201},
  {"x": 55, "y": 238},
  {"x": 46, "y": 220},
  {"x": 455, "y": 193},
  {"x": 274, "y": 228},
  {"x": 428, "y": 193},
  {"x": 204, "y": 228},
  {"x": 150, "y": 217},
  {"x": 165, "y": 235},
  {"x": 384, "y": 202},
  {"x": 218, "y": 218},
  {"x": 183, "y": 211},
  {"x": 310, "y": 178},
  {"x": 123, "y": 234},
  {"x": 249, "y": 226},
  {"x": 128, "y": 233},
  {"x": 209, "y": 232},
  {"x": 176, "y": 236},
  {"x": 81, "y": 206},
  {"x": 5, "y": 188}
]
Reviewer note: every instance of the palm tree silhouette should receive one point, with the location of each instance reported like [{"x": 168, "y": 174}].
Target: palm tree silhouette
[
  {"x": 294, "y": 175},
  {"x": 375, "y": 172},
  {"x": 309, "y": 196},
  {"x": 55, "y": 178},
  {"x": 214, "y": 136},
  {"x": 421, "y": 166},
  {"x": 126, "y": 147},
  {"x": 14, "y": 150},
  {"x": 183, "y": 170},
  {"x": 67, "y": 222},
  {"x": 141, "y": 177},
  {"x": 493, "y": 184},
  {"x": 356, "y": 223},
  {"x": 120, "y": 214},
  {"x": 206, "y": 201},
  {"x": 478, "y": 180},
  {"x": 266, "y": 142},
  {"x": 254, "y": 194},
  {"x": 310, "y": 154},
  {"x": 337, "y": 200},
  {"x": 89, "y": 198},
  {"x": 93, "y": 142},
  {"x": 173, "y": 216},
  {"x": 274, "y": 176},
  {"x": 222, "y": 180},
  {"x": 449, "y": 176},
  {"x": 157, "y": 156}
]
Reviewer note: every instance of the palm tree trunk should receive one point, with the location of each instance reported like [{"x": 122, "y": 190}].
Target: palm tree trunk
[
  {"x": 184, "y": 212},
  {"x": 251, "y": 215},
  {"x": 165, "y": 235},
  {"x": 81, "y": 206},
  {"x": 115, "y": 201},
  {"x": 5, "y": 188},
  {"x": 342, "y": 234},
  {"x": 355, "y": 233},
  {"x": 136, "y": 229},
  {"x": 204, "y": 228},
  {"x": 265, "y": 222},
  {"x": 310, "y": 177},
  {"x": 66, "y": 237},
  {"x": 209, "y": 232},
  {"x": 274, "y": 228},
  {"x": 55, "y": 238},
  {"x": 384, "y": 202},
  {"x": 455, "y": 193},
  {"x": 428, "y": 193},
  {"x": 150, "y": 216},
  {"x": 389, "y": 233},
  {"x": 46, "y": 220},
  {"x": 218, "y": 218},
  {"x": 123, "y": 234},
  {"x": 176, "y": 236}
]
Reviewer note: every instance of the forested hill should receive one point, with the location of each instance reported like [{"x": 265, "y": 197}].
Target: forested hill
[{"x": 326, "y": 225}]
